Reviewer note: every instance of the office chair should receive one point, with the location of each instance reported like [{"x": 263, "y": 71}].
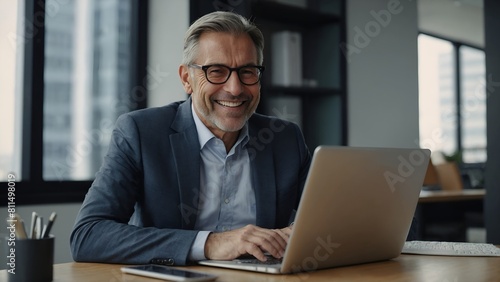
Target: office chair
[
  {"x": 431, "y": 180},
  {"x": 450, "y": 177}
]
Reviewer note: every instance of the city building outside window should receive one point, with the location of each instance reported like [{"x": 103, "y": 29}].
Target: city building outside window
[
  {"x": 69, "y": 69},
  {"x": 452, "y": 99}
]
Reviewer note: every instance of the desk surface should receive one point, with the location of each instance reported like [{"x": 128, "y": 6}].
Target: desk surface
[
  {"x": 450, "y": 196},
  {"x": 402, "y": 268}
]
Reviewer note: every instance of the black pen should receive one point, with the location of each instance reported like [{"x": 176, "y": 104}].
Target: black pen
[{"x": 46, "y": 229}]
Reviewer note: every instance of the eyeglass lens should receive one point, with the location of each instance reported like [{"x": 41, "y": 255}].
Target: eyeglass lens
[{"x": 220, "y": 74}]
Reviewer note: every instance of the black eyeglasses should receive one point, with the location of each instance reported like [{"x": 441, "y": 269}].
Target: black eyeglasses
[{"x": 219, "y": 74}]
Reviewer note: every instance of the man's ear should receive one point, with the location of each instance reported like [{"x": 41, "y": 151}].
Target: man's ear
[{"x": 185, "y": 78}]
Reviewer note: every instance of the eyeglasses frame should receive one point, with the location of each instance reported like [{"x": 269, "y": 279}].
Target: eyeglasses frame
[{"x": 237, "y": 70}]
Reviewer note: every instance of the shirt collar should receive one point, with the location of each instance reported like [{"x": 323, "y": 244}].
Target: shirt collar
[{"x": 204, "y": 134}]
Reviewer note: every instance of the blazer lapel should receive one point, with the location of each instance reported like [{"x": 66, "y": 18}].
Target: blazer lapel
[
  {"x": 186, "y": 151},
  {"x": 262, "y": 167}
]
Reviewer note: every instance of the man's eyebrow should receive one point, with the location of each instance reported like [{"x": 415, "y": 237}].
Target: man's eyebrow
[{"x": 238, "y": 66}]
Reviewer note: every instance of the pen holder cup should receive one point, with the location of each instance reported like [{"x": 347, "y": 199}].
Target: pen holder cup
[{"x": 31, "y": 260}]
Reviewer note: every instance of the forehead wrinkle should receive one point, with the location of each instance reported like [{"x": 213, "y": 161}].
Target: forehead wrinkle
[{"x": 226, "y": 49}]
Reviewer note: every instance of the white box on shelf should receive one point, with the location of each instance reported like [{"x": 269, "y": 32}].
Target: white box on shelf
[{"x": 286, "y": 58}]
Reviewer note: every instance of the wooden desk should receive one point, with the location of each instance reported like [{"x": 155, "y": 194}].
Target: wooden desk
[
  {"x": 402, "y": 268},
  {"x": 451, "y": 196}
]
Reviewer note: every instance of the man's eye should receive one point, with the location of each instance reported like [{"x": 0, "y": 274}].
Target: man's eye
[
  {"x": 248, "y": 71},
  {"x": 216, "y": 70}
]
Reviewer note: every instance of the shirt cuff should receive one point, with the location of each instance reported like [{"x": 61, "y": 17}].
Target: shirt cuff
[{"x": 197, "y": 251}]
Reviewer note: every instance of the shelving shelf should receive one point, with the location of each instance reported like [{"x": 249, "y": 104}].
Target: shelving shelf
[
  {"x": 303, "y": 91},
  {"x": 291, "y": 14}
]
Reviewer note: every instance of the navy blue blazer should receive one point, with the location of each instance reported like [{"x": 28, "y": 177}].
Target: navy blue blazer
[{"x": 142, "y": 205}]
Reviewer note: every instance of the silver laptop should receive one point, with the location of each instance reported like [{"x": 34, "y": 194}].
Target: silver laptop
[{"x": 357, "y": 207}]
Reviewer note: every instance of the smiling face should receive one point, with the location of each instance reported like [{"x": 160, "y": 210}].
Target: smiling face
[{"x": 223, "y": 108}]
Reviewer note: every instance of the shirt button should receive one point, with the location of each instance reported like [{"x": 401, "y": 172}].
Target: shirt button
[{"x": 226, "y": 201}]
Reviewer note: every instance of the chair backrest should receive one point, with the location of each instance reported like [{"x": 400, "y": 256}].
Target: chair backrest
[
  {"x": 449, "y": 176},
  {"x": 431, "y": 176}
]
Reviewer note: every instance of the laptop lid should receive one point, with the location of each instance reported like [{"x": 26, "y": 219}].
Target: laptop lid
[{"x": 357, "y": 207}]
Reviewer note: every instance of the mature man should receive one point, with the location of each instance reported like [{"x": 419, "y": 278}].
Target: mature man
[{"x": 206, "y": 178}]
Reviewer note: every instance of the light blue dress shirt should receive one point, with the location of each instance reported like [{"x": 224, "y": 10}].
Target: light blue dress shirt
[{"x": 226, "y": 198}]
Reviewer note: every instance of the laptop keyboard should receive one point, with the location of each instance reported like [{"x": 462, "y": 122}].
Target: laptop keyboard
[
  {"x": 450, "y": 248},
  {"x": 252, "y": 260}
]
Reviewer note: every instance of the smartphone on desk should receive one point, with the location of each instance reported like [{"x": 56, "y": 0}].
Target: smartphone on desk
[{"x": 168, "y": 273}]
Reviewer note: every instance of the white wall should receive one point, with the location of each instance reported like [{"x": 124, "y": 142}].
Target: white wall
[
  {"x": 168, "y": 21},
  {"x": 382, "y": 73},
  {"x": 462, "y": 21}
]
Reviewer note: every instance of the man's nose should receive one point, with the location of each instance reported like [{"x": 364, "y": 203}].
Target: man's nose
[{"x": 233, "y": 85}]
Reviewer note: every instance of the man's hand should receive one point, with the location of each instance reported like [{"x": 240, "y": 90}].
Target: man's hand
[{"x": 250, "y": 239}]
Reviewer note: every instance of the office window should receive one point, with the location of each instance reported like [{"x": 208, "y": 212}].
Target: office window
[
  {"x": 473, "y": 105},
  {"x": 79, "y": 65},
  {"x": 11, "y": 50},
  {"x": 87, "y": 74},
  {"x": 452, "y": 98}
]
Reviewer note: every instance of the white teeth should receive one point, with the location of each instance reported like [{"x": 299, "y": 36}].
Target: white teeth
[{"x": 230, "y": 104}]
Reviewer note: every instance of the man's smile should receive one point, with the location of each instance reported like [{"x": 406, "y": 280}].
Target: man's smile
[{"x": 230, "y": 104}]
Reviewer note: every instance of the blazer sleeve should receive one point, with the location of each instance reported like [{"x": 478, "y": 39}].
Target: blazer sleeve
[{"x": 102, "y": 232}]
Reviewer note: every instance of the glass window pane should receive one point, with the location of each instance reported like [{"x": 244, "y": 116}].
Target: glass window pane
[
  {"x": 437, "y": 98},
  {"x": 11, "y": 58},
  {"x": 473, "y": 104},
  {"x": 87, "y": 83}
]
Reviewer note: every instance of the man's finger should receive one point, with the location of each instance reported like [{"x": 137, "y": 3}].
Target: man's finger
[{"x": 269, "y": 241}]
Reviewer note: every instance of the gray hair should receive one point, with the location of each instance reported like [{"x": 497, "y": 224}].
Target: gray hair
[{"x": 221, "y": 22}]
